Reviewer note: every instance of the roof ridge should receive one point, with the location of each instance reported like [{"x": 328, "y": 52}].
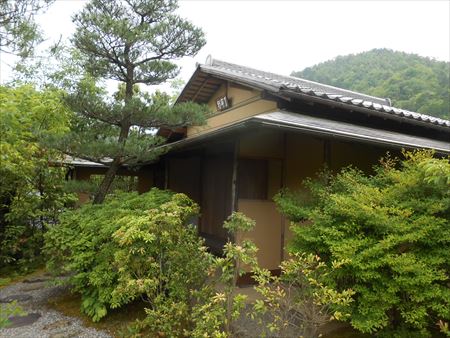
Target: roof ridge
[
  {"x": 339, "y": 88},
  {"x": 375, "y": 106},
  {"x": 247, "y": 73}
]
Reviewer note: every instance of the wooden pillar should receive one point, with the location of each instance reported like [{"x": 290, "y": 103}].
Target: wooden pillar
[
  {"x": 234, "y": 187},
  {"x": 283, "y": 185}
]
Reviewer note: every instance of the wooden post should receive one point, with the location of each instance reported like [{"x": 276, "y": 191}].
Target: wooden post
[
  {"x": 283, "y": 185},
  {"x": 234, "y": 187}
]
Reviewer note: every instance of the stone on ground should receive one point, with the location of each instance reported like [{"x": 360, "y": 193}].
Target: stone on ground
[
  {"x": 19, "y": 321},
  {"x": 18, "y": 298}
]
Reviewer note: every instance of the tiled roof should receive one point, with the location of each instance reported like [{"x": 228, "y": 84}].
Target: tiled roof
[
  {"x": 350, "y": 131},
  {"x": 296, "y": 86},
  {"x": 319, "y": 126}
]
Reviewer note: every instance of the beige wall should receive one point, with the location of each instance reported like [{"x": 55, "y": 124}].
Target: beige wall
[
  {"x": 264, "y": 144},
  {"x": 361, "y": 155},
  {"x": 296, "y": 156},
  {"x": 267, "y": 233},
  {"x": 245, "y": 103},
  {"x": 304, "y": 156},
  {"x": 261, "y": 143},
  {"x": 237, "y": 95}
]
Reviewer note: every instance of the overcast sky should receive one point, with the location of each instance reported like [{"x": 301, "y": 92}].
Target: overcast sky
[{"x": 285, "y": 36}]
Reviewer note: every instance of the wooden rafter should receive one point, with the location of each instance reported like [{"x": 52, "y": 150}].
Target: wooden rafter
[{"x": 200, "y": 88}]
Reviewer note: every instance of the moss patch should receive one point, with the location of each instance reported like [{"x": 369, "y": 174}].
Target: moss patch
[{"x": 10, "y": 276}]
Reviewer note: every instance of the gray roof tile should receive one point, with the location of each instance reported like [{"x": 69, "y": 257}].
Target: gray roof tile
[
  {"x": 280, "y": 83},
  {"x": 351, "y": 131}
]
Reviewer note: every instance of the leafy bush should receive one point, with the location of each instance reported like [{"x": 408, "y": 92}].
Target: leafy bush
[
  {"x": 299, "y": 301},
  {"x": 128, "y": 247},
  {"x": 31, "y": 186},
  {"x": 216, "y": 313},
  {"x": 215, "y": 304},
  {"x": 89, "y": 187},
  {"x": 386, "y": 237}
]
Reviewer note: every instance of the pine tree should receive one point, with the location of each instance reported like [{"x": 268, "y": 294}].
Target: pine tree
[
  {"x": 19, "y": 33},
  {"x": 133, "y": 42}
]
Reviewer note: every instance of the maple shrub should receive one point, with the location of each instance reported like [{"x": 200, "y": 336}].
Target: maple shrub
[
  {"x": 31, "y": 183},
  {"x": 215, "y": 306},
  {"x": 386, "y": 237},
  {"x": 130, "y": 247}
]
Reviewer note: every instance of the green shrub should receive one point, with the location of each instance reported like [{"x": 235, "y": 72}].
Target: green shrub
[
  {"x": 31, "y": 186},
  {"x": 217, "y": 311},
  {"x": 299, "y": 301},
  {"x": 215, "y": 304},
  {"x": 128, "y": 247},
  {"x": 385, "y": 236}
]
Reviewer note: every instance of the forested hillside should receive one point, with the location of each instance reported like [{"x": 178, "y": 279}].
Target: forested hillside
[{"x": 412, "y": 82}]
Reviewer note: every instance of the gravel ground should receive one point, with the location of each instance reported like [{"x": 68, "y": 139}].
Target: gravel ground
[{"x": 51, "y": 324}]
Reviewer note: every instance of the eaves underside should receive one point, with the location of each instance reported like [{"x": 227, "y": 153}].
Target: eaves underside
[{"x": 289, "y": 121}]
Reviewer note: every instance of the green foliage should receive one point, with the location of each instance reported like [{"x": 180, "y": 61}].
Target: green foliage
[
  {"x": 121, "y": 183},
  {"x": 131, "y": 246},
  {"x": 146, "y": 34},
  {"x": 9, "y": 310},
  {"x": 4, "y": 281},
  {"x": 31, "y": 186},
  {"x": 209, "y": 303},
  {"x": 384, "y": 236},
  {"x": 299, "y": 300},
  {"x": 96, "y": 130},
  {"x": 214, "y": 304},
  {"x": 215, "y": 315},
  {"x": 412, "y": 82},
  {"x": 443, "y": 327},
  {"x": 18, "y": 31}
]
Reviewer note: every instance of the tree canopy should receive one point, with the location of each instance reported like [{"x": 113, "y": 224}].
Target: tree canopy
[
  {"x": 19, "y": 32},
  {"x": 31, "y": 186},
  {"x": 412, "y": 82}
]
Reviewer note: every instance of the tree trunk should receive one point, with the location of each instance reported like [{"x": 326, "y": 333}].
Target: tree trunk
[
  {"x": 125, "y": 129},
  {"x": 229, "y": 309},
  {"x": 104, "y": 187}
]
